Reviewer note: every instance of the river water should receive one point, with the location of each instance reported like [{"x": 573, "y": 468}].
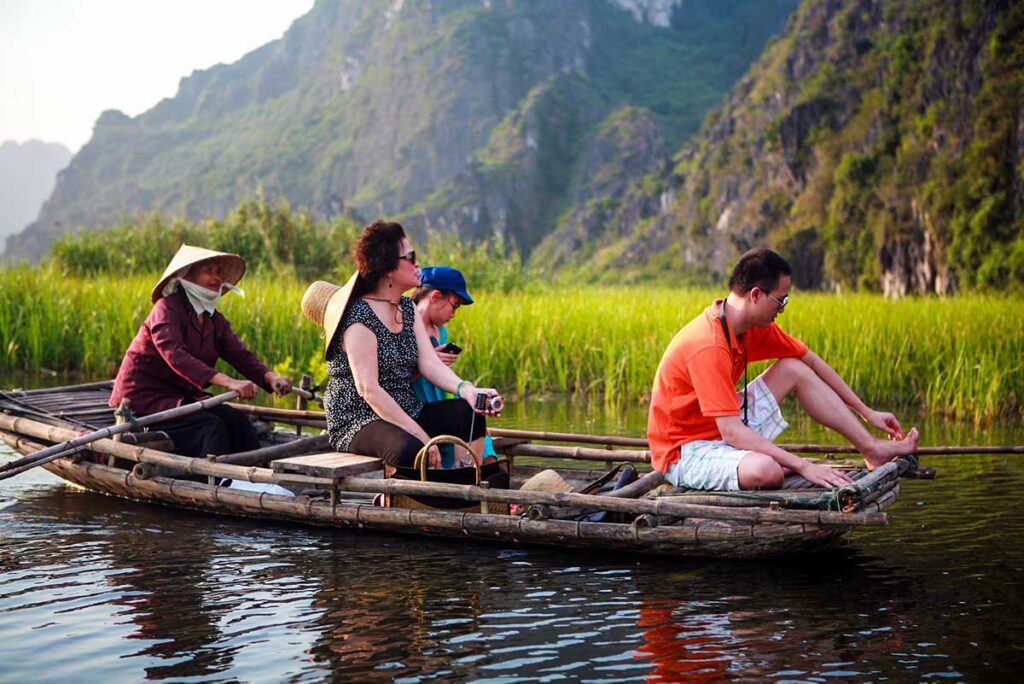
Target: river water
[{"x": 94, "y": 588}]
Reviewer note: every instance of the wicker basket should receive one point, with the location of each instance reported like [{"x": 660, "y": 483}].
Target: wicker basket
[{"x": 495, "y": 473}]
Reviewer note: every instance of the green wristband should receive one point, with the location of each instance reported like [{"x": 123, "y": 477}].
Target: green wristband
[{"x": 459, "y": 386}]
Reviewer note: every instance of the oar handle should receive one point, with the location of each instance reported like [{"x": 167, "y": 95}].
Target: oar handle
[
  {"x": 58, "y": 450},
  {"x": 305, "y": 394}
]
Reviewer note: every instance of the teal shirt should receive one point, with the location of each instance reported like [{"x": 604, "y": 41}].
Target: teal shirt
[
  {"x": 427, "y": 392},
  {"x": 424, "y": 390}
]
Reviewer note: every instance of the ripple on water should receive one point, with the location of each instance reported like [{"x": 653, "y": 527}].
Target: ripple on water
[{"x": 148, "y": 592}]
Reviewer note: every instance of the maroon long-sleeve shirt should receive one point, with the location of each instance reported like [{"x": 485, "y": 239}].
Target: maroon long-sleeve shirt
[{"x": 172, "y": 357}]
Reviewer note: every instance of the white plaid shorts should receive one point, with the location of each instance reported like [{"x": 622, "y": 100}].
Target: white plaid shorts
[{"x": 712, "y": 464}]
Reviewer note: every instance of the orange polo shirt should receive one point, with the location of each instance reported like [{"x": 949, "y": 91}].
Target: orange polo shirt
[{"x": 696, "y": 380}]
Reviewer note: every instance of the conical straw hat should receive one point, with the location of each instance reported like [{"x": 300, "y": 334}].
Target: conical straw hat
[
  {"x": 325, "y": 303},
  {"x": 188, "y": 256},
  {"x": 546, "y": 481}
]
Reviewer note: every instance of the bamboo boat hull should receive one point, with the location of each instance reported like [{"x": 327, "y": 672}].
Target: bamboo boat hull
[
  {"x": 705, "y": 538},
  {"x": 724, "y": 538}
]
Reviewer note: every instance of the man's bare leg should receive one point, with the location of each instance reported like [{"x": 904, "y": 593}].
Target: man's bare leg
[
  {"x": 760, "y": 471},
  {"x": 787, "y": 376}
]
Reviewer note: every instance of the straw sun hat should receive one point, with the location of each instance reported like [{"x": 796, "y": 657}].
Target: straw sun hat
[
  {"x": 546, "y": 481},
  {"x": 188, "y": 256},
  {"x": 324, "y": 303}
]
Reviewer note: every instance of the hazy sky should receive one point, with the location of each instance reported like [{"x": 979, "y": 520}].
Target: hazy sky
[{"x": 62, "y": 62}]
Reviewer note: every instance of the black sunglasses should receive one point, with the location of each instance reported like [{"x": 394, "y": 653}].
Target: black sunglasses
[{"x": 411, "y": 256}]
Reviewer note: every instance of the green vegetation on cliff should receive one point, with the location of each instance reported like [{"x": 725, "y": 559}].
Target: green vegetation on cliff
[
  {"x": 400, "y": 108},
  {"x": 878, "y": 145}
]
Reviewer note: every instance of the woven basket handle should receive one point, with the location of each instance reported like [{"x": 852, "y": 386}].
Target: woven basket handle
[{"x": 422, "y": 458}]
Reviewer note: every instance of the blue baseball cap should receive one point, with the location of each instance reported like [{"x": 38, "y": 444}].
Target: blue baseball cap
[{"x": 445, "y": 278}]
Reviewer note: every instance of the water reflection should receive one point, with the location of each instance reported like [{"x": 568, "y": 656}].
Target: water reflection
[
  {"x": 148, "y": 592},
  {"x": 164, "y": 583},
  {"x": 782, "y": 619}
]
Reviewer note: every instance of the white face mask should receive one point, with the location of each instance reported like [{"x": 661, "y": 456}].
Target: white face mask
[{"x": 201, "y": 298}]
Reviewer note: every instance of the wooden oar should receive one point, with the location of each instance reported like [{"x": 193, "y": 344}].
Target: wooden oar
[
  {"x": 305, "y": 394},
  {"x": 60, "y": 450},
  {"x": 800, "y": 448}
]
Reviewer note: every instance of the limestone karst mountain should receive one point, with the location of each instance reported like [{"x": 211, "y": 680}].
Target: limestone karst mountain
[{"x": 475, "y": 116}]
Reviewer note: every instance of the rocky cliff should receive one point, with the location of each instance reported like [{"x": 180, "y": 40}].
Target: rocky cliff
[
  {"x": 476, "y": 116},
  {"x": 877, "y": 144}
]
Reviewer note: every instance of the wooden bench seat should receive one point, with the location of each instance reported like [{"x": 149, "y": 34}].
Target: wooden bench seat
[{"x": 332, "y": 464}]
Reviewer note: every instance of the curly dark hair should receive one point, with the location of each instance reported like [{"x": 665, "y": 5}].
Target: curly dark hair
[
  {"x": 377, "y": 253},
  {"x": 759, "y": 267}
]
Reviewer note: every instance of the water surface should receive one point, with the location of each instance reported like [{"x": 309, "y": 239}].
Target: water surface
[{"x": 96, "y": 588}]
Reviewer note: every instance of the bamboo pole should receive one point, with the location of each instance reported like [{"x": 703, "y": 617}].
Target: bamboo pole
[
  {"x": 797, "y": 448},
  {"x": 18, "y": 442},
  {"x": 289, "y": 416},
  {"x": 921, "y": 451},
  {"x": 292, "y": 448},
  {"x": 578, "y": 453},
  {"x": 588, "y": 502},
  {"x": 145, "y": 437},
  {"x": 639, "y": 487},
  {"x": 567, "y": 437},
  {"x": 140, "y": 454},
  {"x": 57, "y": 450},
  {"x": 318, "y": 424},
  {"x": 318, "y": 419},
  {"x": 103, "y": 384},
  {"x": 305, "y": 393}
]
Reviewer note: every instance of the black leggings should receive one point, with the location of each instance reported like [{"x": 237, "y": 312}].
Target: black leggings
[
  {"x": 397, "y": 447},
  {"x": 218, "y": 430}
]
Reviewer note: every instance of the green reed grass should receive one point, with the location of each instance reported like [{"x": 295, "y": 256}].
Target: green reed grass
[{"x": 958, "y": 357}]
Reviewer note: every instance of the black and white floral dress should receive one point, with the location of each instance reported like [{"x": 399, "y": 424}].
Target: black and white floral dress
[{"x": 397, "y": 357}]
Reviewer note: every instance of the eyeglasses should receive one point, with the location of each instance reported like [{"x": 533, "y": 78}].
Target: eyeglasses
[
  {"x": 410, "y": 257},
  {"x": 455, "y": 305},
  {"x": 781, "y": 304}
]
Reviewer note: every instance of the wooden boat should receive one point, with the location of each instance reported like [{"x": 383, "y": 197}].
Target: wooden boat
[{"x": 143, "y": 467}]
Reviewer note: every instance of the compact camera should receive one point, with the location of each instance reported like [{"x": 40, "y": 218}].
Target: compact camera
[{"x": 487, "y": 403}]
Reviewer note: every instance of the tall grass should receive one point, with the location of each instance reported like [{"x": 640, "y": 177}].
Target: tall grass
[
  {"x": 955, "y": 357},
  {"x": 273, "y": 239}
]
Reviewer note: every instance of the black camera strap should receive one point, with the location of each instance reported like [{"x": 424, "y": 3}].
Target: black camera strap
[{"x": 728, "y": 342}]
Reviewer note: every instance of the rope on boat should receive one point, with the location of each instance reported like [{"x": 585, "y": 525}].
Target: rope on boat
[{"x": 123, "y": 411}]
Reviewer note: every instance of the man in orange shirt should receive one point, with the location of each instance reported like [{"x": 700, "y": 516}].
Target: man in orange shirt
[{"x": 705, "y": 435}]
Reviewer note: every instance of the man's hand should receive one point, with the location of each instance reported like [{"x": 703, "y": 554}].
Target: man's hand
[
  {"x": 884, "y": 421},
  {"x": 823, "y": 475}
]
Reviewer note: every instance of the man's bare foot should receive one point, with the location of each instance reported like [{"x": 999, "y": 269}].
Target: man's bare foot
[{"x": 883, "y": 451}]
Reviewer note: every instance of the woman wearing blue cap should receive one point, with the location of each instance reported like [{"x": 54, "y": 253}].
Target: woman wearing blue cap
[{"x": 442, "y": 291}]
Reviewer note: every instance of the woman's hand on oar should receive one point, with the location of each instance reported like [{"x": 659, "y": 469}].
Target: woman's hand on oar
[
  {"x": 246, "y": 389},
  {"x": 281, "y": 384}
]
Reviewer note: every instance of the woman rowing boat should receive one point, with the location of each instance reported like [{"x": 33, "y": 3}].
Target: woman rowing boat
[{"x": 172, "y": 358}]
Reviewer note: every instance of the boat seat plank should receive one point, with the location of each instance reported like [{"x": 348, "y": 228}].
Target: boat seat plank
[{"x": 333, "y": 464}]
